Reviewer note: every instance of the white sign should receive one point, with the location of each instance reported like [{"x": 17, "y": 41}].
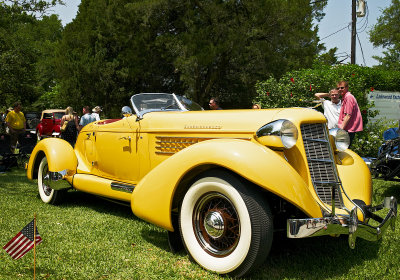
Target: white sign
[{"x": 386, "y": 103}]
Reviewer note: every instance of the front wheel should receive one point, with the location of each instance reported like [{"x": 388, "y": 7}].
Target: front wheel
[
  {"x": 47, "y": 194},
  {"x": 225, "y": 225}
]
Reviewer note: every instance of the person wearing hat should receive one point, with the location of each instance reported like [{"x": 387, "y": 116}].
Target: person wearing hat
[
  {"x": 16, "y": 123},
  {"x": 96, "y": 111}
]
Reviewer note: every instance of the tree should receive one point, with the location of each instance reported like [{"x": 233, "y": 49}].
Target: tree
[
  {"x": 385, "y": 34},
  {"x": 108, "y": 53},
  {"x": 198, "y": 48},
  {"x": 26, "y": 43}
]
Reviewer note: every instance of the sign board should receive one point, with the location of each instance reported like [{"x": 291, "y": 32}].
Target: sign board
[{"x": 386, "y": 103}]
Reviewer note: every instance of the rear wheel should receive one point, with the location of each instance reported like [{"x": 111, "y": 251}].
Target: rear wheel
[
  {"x": 225, "y": 225},
  {"x": 47, "y": 194}
]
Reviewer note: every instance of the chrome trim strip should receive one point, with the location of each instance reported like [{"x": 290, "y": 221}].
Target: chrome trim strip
[
  {"x": 320, "y": 160},
  {"x": 116, "y": 186},
  {"x": 316, "y": 140},
  {"x": 327, "y": 182},
  {"x": 204, "y": 138},
  {"x": 170, "y": 147},
  {"x": 165, "y": 153}
]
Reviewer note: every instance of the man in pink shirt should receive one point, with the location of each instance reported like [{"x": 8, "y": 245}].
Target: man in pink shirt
[{"x": 350, "y": 116}]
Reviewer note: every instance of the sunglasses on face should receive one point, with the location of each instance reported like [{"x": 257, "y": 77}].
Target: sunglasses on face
[{"x": 340, "y": 88}]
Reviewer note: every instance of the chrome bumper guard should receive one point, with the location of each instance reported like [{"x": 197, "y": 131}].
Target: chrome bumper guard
[
  {"x": 56, "y": 180},
  {"x": 349, "y": 224}
]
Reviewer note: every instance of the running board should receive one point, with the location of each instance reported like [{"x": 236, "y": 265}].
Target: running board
[{"x": 116, "y": 186}]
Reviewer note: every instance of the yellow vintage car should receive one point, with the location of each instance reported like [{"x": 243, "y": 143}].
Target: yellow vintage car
[{"x": 220, "y": 182}]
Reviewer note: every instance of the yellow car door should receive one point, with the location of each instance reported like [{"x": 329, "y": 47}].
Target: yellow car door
[{"x": 117, "y": 155}]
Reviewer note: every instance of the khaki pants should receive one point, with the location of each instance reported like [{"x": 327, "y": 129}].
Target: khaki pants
[{"x": 14, "y": 134}]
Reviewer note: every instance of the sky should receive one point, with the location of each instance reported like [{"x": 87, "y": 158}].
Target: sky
[{"x": 338, "y": 17}]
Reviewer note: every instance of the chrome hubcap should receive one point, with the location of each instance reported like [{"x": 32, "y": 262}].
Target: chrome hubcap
[{"x": 214, "y": 224}]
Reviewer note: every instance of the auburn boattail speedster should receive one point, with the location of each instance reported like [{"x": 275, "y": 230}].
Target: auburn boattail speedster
[{"x": 221, "y": 182}]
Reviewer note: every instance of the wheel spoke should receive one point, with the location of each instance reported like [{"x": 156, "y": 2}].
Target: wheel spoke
[{"x": 216, "y": 224}]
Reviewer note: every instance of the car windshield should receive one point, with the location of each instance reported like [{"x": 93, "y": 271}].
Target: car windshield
[
  {"x": 31, "y": 116},
  {"x": 58, "y": 115},
  {"x": 149, "y": 102},
  {"x": 189, "y": 104}
]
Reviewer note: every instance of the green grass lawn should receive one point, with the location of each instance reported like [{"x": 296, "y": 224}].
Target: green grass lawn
[{"x": 90, "y": 238}]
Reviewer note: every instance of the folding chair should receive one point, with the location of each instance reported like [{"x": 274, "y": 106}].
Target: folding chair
[
  {"x": 7, "y": 159},
  {"x": 26, "y": 143}
]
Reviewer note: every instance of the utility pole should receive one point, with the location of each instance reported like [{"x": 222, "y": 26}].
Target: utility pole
[{"x": 353, "y": 32}]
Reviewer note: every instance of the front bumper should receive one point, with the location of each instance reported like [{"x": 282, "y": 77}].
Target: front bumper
[{"x": 349, "y": 224}]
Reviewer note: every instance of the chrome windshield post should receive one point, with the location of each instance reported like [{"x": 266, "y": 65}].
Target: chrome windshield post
[{"x": 333, "y": 188}]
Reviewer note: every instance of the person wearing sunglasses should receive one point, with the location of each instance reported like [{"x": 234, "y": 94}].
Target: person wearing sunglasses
[
  {"x": 350, "y": 115},
  {"x": 214, "y": 104}
]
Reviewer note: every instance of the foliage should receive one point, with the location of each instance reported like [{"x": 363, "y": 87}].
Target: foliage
[
  {"x": 200, "y": 48},
  {"x": 50, "y": 100},
  {"x": 368, "y": 141},
  {"x": 90, "y": 238},
  {"x": 385, "y": 34},
  {"x": 26, "y": 51},
  {"x": 33, "y": 7},
  {"x": 327, "y": 58},
  {"x": 297, "y": 88}
]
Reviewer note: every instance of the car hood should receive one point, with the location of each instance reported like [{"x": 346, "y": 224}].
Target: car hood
[{"x": 224, "y": 121}]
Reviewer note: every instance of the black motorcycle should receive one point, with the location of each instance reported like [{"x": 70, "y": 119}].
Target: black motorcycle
[{"x": 387, "y": 164}]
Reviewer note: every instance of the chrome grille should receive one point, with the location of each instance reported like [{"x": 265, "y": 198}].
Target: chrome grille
[{"x": 320, "y": 162}]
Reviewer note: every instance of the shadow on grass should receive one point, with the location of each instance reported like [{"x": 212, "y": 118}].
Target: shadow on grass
[
  {"x": 314, "y": 258},
  {"x": 392, "y": 190},
  {"x": 158, "y": 239},
  {"x": 98, "y": 204}
]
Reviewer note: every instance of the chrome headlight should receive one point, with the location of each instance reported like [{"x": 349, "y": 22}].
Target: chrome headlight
[
  {"x": 279, "y": 134},
  {"x": 342, "y": 138}
]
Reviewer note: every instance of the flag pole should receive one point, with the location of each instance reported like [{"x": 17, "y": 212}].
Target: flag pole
[{"x": 34, "y": 246}]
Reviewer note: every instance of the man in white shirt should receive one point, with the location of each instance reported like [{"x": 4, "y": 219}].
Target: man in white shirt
[{"x": 331, "y": 107}]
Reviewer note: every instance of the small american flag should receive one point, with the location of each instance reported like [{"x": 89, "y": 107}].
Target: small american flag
[{"x": 22, "y": 242}]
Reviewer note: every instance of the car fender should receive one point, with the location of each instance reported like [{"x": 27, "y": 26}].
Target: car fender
[
  {"x": 355, "y": 177},
  {"x": 39, "y": 128},
  {"x": 153, "y": 196},
  {"x": 60, "y": 156}
]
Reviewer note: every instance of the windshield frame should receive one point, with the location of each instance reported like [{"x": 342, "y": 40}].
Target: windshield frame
[{"x": 137, "y": 106}]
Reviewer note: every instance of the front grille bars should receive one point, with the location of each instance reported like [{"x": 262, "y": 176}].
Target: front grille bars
[{"x": 321, "y": 163}]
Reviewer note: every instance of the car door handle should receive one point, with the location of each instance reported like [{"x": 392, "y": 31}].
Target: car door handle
[{"x": 125, "y": 138}]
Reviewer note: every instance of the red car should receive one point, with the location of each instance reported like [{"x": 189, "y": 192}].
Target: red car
[{"x": 50, "y": 122}]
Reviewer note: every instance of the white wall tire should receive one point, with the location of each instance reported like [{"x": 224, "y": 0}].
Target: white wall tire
[
  {"x": 225, "y": 226},
  {"x": 46, "y": 193}
]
